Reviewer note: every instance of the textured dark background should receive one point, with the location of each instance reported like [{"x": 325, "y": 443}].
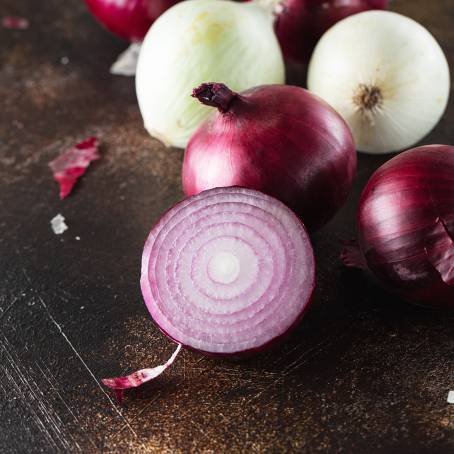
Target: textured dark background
[{"x": 363, "y": 373}]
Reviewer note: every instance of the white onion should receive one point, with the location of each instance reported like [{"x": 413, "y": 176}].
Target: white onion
[
  {"x": 386, "y": 75},
  {"x": 200, "y": 41}
]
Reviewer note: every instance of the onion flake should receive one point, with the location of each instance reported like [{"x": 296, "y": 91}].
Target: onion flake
[
  {"x": 138, "y": 378},
  {"x": 72, "y": 164}
]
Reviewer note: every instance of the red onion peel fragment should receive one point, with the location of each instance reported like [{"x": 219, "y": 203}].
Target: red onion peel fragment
[
  {"x": 406, "y": 226},
  {"x": 138, "y": 378},
  {"x": 440, "y": 252},
  {"x": 277, "y": 139},
  {"x": 15, "y": 23},
  {"x": 351, "y": 255},
  {"x": 228, "y": 272},
  {"x": 72, "y": 164}
]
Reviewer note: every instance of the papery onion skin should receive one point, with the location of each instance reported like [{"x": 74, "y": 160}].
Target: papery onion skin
[
  {"x": 386, "y": 75},
  {"x": 406, "y": 225},
  {"x": 280, "y": 140},
  {"x": 128, "y": 19},
  {"x": 198, "y": 41},
  {"x": 301, "y": 23},
  {"x": 264, "y": 304}
]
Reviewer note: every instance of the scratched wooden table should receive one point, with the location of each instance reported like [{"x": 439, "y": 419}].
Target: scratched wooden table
[{"x": 364, "y": 373}]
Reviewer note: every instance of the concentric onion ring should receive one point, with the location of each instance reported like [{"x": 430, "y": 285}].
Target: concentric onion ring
[{"x": 227, "y": 271}]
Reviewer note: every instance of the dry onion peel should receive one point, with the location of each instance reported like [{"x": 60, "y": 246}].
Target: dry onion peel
[
  {"x": 72, "y": 164},
  {"x": 138, "y": 378}
]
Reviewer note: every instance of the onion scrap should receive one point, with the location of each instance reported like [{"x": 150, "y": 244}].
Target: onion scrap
[
  {"x": 72, "y": 164},
  {"x": 15, "y": 23},
  {"x": 138, "y": 378}
]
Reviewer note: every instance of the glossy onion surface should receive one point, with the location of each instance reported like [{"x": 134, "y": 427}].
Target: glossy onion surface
[
  {"x": 278, "y": 139},
  {"x": 406, "y": 225}
]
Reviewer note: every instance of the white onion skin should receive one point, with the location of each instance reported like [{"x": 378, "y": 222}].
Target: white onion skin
[
  {"x": 198, "y": 41},
  {"x": 394, "y": 53},
  {"x": 153, "y": 270}
]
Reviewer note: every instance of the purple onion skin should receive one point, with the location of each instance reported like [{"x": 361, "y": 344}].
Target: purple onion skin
[
  {"x": 277, "y": 139},
  {"x": 128, "y": 19},
  {"x": 301, "y": 23},
  {"x": 406, "y": 225}
]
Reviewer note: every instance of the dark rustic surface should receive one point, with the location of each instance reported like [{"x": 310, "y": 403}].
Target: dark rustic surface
[{"x": 363, "y": 373}]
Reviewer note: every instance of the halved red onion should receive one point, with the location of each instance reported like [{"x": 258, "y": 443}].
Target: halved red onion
[
  {"x": 228, "y": 271},
  {"x": 406, "y": 226}
]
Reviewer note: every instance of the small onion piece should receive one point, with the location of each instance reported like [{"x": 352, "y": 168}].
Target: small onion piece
[
  {"x": 198, "y": 41},
  {"x": 406, "y": 226},
  {"x": 228, "y": 271},
  {"x": 301, "y": 23},
  {"x": 278, "y": 139},
  {"x": 386, "y": 75},
  {"x": 129, "y": 19},
  {"x": 69, "y": 166}
]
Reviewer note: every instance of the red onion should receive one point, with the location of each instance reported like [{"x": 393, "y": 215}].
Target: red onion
[
  {"x": 228, "y": 271},
  {"x": 129, "y": 19},
  {"x": 278, "y": 139},
  {"x": 406, "y": 226},
  {"x": 301, "y": 23}
]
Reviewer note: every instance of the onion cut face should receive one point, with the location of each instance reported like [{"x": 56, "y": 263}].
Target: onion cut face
[
  {"x": 277, "y": 139},
  {"x": 406, "y": 226},
  {"x": 228, "y": 271}
]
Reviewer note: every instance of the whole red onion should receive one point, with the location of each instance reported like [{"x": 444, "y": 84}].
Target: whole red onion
[
  {"x": 228, "y": 271},
  {"x": 129, "y": 19},
  {"x": 406, "y": 226},
  {"x": 278, "y": 139},
  {"x": 301, "y": 23}
]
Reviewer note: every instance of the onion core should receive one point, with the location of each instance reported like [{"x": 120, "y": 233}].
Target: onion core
[{"x": 228, "y": 271}]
